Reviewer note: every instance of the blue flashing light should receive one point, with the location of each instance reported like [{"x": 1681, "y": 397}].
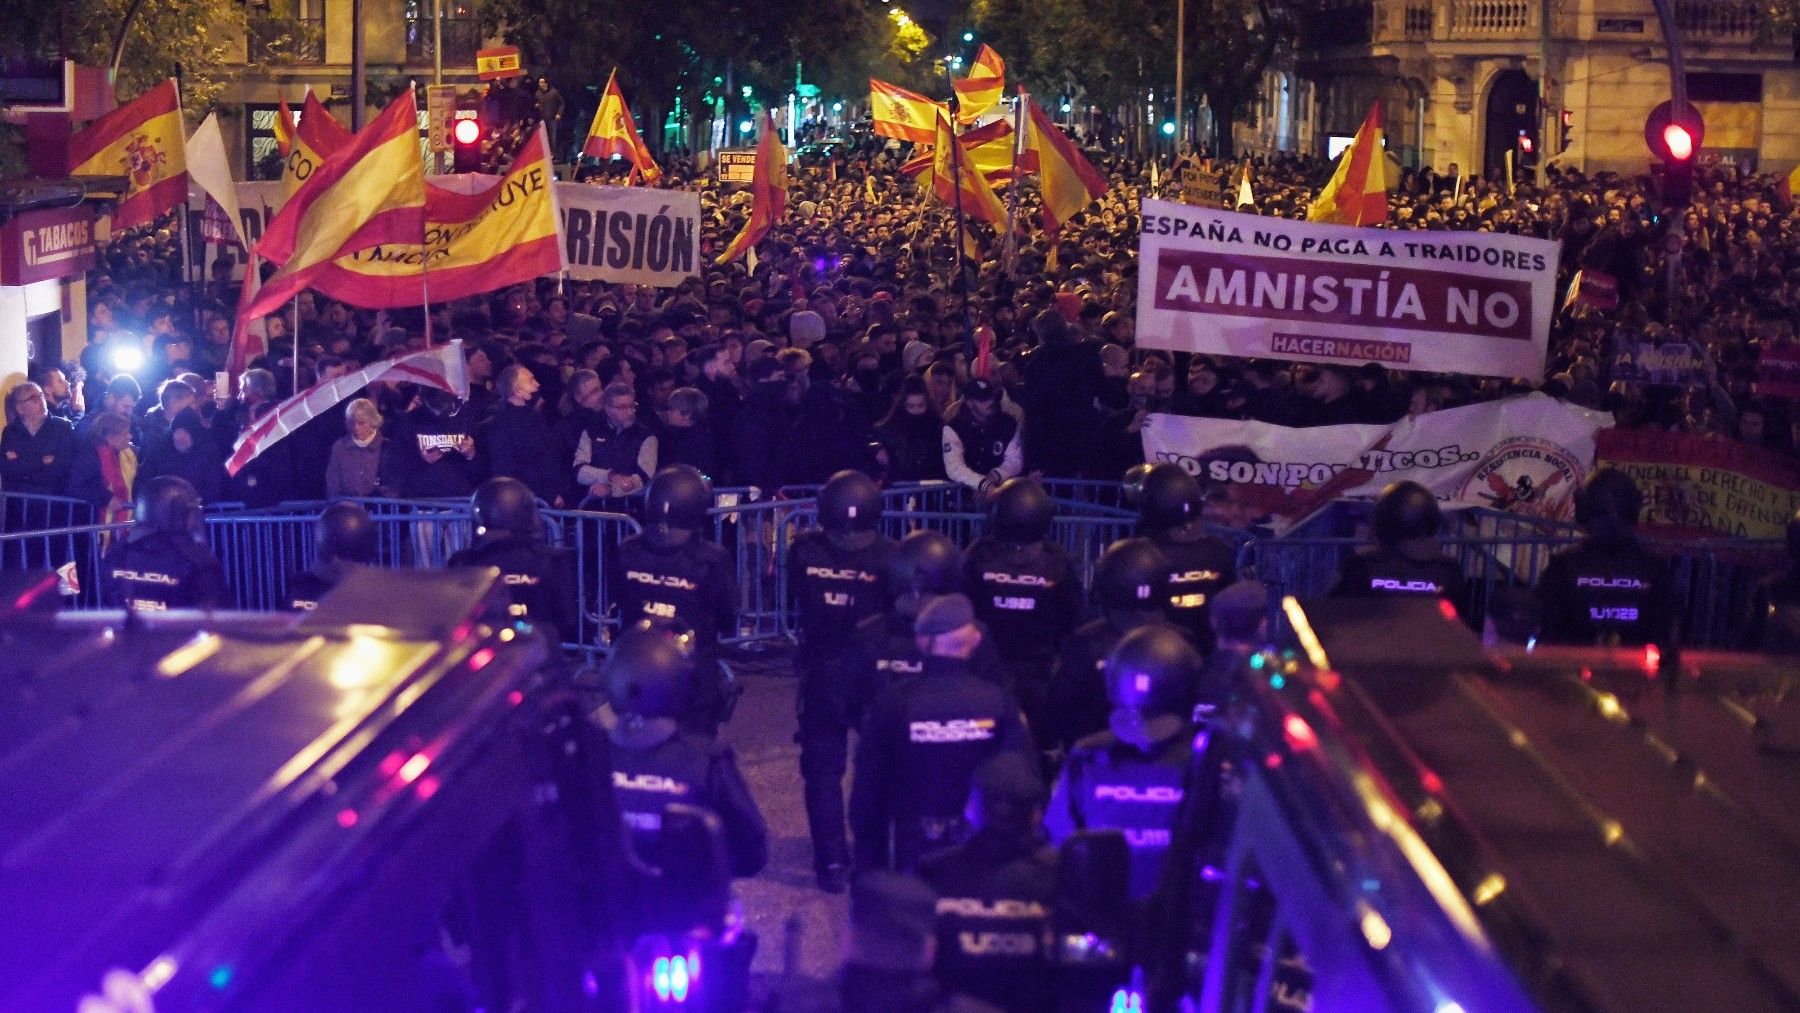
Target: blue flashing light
[
  {"x": 659, "y": 978},
  {"x": 1256, "y": 662},
  {"x": 678, "y": 979},
  {"x": 1127, "y": 1001},
  {"x": 1277, "y": 681},
  {"x": 220, "y": 978}
]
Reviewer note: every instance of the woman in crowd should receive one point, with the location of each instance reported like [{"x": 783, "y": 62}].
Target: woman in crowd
[{"x": 356, "y": 456}]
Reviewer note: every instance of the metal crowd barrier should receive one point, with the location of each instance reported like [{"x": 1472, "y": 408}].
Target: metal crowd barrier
[
  {"x": 26, "y": 511},
  {"x": 73, "y": 551}
]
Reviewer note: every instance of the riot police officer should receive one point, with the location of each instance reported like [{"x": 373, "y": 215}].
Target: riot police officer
[
  {"x": 346, "y": 538},
  {"x": 995, "y": 891},
  {"x": 1129, "y": 778},
  {"x": 1774, "y": 621},
  {"x": 837, "y": 575},
  {"x": 1408, "y": 559},
  {"x": 1608, "y": 589},
  {"x": 165, "y": 566},
  {"x": 1131, "y": 588},
  {"x": 508, "y": 535},
  {"x": 655, "y": 763},
  {"x": 1200, "y": 565},
  {"x": 668, "y": 571},
  {"x": 923, "y": 739},
  {"x": 1024, "y": 588}
]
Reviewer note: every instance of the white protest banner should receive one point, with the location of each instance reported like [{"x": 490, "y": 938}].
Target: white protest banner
[
  {"x": 630, "y": 234},
  {"x": 1526, "y": 455},
  {"x": 1224, "y": 283}
]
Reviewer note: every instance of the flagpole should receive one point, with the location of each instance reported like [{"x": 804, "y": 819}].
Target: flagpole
[
  {"x": 1012, "y": 199},
  {"x": 962, "y": 269},
  {"x": 294, "y": 343}
]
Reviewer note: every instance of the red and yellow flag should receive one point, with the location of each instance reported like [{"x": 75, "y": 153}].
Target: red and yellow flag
[
  {"x": 143, "y": 141},
  {"x": 284, "y": 128},
  {"x": 1357, "y": 192},
  {"x": 615, "y": 134},
  {"x": 1067, "y": 181},
  {"x": 317, "y": 137},
  {"x": 990, "y": 150},
  {"x": 483, "y": 233},
  {"x": 901, "y": 114},
  {"x": 984, "y": 86},
  {"x": 370, "y": 192},
  {"x": 768, "y": 193},
  {"x": 951, "y": 168}
]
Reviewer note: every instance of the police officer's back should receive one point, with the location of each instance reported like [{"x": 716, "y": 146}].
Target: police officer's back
[
  {"x": 655, "y": 763},
  {"x": 995, "y": 891},
  {"x": 1608, "y": 589},
  {"x": 1774, "y": 621},
  {"x": 837, "y": 575},
  {"x": 1170, "y": 513},
  {"x": 509, "y": 536},
  {"x": 1129, "y": 778},
  {"x": 1131, "y": 589},
  {"x": 1024, "y": 588},
  {"x": 923, "y": 739},
  {"x": 164, "y": 565},
  {"x": 346, "y": 538},
  {"x": 1407, "y": 559},
  {"x": 669, "y": 571}
]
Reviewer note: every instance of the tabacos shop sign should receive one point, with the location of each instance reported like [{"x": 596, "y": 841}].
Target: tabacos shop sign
[{"x": 41, "y": 245}]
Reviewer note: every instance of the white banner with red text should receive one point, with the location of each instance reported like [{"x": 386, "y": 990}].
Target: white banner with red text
[
  {"x": 1224, "y": 283},
  {"x": 1525, "y": 455}
]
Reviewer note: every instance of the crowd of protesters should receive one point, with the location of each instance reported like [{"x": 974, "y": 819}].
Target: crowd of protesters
[{"x": 863, "y": 340}]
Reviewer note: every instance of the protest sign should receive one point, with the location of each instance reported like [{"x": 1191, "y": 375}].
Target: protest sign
[
  {"x": 1694, "y": 485},
  {"x": 1675, "y": 362},
  {"x": 737, "y": 165},
  {"x": 1200, "y": 187},
  {"x": 1778, "y": 371},
  {"x": 1525, "y": 455},
  {"x": 1225, "y": 283},
  {"x": 630, "y": 234}
]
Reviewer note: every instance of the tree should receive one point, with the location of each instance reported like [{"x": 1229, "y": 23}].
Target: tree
[
  {"x": 199, "y": 36},
  {"x": 1228, "y": 51}
]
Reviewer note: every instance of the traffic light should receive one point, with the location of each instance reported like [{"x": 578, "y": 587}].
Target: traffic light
[
  {"x": 1528, "y": 155},
  {"x": 1568, "y": 128},
  {"x": 1674, "y": 137},
  {"x": 465, "y": 145}
]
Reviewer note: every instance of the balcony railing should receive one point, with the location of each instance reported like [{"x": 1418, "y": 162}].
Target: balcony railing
[
  {"x": 1718, "y": 20},
  {"x": 287, "y": 40},
  {"x": 1493, "y": 19},
  {"x": 1417, "y": 19},
  {"x": 462, "y": 37}
]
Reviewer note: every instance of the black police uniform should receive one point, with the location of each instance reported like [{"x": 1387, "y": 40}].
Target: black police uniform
[
  {"x": 654, "y": 764},
  {"x": 1606, "y": 591},
  {"x": 918, "y": 752},
  {"x": 1030, "y": 598},
  {"x": 1111, "y": 784},
  {"x": 885, "y": 650},
  {"x": 540, "y": 577},
  {"x": 1200, "y": 566},
  {"x": 693, "y": 583},
  {"x": 834, "y": 588},
  {"x": 993, "y": 916},
  {"x": 1387, "y": 571},
  {"x": 163, "y": 570},
  {"x": 1078, "y": 704},
  {"x": 304, "y": 591}
]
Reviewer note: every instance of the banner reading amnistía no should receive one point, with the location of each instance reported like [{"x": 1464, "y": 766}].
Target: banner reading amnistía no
[{"x": 1223, "y": 283}]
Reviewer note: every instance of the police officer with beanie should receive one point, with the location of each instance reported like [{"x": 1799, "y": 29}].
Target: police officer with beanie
[
  {"x": 923, "y": 740},
  {"x": 1608, "y": 589},
  {"x": 1408, "y": 559},
  {"x": 668, "y": 571},
  {"x": 165, "y": 566},
  {"x": 508, "y": 535},
  {"x": 1200, "y": 565},
  {"x": 837, "y": 575},
  {"x": 1131, "y": 589},
  {"x": 1024, "y": 588},
  {"x": 655, "y": 763},
  {"x": 1129, "y": 778},
  {"x": 346, "y": 538},
  {"x": 995, "y": 890}
]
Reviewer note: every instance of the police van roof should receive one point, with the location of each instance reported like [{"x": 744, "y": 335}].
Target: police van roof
[{"x": 175, "y": 792}]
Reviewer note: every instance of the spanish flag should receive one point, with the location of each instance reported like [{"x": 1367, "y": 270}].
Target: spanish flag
[
  {"x": 144, "y": 142},
  {"x": 317, "y": 137},
  {"x": 370, "y": 192},
  {"x": 901, "y": 114},
  {"x": 990, "y": 151},
  {"x": 1065, "y": 178},
  {"x": 483, "y": 233},
  {"x": 951, "y": 167},
  {"x": 284, "y": 128},
  {"x": 984, "y": 86},
  {"x": 1357, "y": 193},
  {"x": 615, "y": 134},
  {"x": 768, "y": 193}
]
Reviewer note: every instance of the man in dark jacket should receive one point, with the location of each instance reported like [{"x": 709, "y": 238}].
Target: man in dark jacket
[
  {"x": 519, "y": 441},
  {"x": 1062, "y": 381},
  {"x": 433, "y": 450},
  {"x": 764, "y": 428}
]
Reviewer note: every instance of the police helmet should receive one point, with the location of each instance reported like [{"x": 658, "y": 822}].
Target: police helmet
[
  {"x": 346, "y": 533},
  {"x": 1132, "y": 575},
  {"x": 850, "y": 501},
  {"x": 1133, "y": 484},
  {"x": 1171, "y": 497},
  {"x": 928, "y": 562},
  {"x": 650, "y": 668},
  {"x": 1022, "y": 511},
  {"x": 505, "y": 505},
  {"x": 1151, "y": 669},
  {"x": 1405, "y": 511},
  {"x": 1608, "y": 503},
  {"x": 168, "y": 503},
  {"x": 678, "y": 499}
]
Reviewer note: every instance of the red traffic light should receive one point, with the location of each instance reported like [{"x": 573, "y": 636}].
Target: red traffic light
[
  {"x": 1674, "y": 135},
  {"x": 1525, "y": 143},
  {"x": 466, "y": 132},
  {"x": 1678, "y": 141}
]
